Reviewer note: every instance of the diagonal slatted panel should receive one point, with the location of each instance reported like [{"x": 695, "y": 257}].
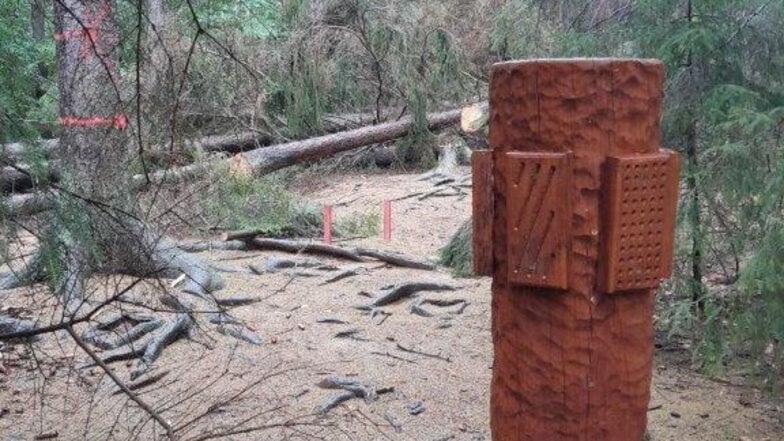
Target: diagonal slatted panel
[{"x": 538, "y": 218}]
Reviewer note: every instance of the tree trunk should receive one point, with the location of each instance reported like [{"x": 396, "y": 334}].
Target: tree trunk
[
  {"x": 92, "y": 150},
  {"x": 155, "y": 76},
  {"x": 692, "y": 159},
  {"x": 94, "y": 228},
  {"x": 37, "y": 21},
  {"x": 695, "y": 221}
]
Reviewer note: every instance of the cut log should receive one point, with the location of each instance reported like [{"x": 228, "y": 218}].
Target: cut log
[
  {"x": 25, "y": 204},
  {"x": 14, "y": 152},
  {"x": 13, "y": 180},
  {"x": 279, "y": 156}
]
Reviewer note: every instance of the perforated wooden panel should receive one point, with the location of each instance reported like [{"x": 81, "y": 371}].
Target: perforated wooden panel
[
  {"x": 539, "y": 213},
  {"x": 638, "y": 220}
]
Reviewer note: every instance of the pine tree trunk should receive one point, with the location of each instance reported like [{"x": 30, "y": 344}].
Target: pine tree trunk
[
  {"x": 93, "y": 228},
  {"x": 93, "y": 151},
  {"x": 37, "y": 20}
]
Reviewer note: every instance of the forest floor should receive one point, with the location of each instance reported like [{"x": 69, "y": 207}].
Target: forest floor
[{"x": 216, "y": 382}]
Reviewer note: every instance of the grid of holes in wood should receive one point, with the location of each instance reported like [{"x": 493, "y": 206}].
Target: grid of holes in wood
[
  {"x": 539, "y": 215},
  {"x": 639, "y": 220}
]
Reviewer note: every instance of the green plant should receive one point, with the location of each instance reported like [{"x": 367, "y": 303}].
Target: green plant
[
  {"x": 246, "y": 203},
  {"x": 362, "y": 224},
  {"x": 457, "y": 254}
]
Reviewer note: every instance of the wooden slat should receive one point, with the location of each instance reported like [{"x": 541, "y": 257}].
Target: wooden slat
[{"x": 482, "y": 206}]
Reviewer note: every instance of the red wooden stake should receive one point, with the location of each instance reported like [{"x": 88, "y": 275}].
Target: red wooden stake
[
  {"x": 386, "y": 209},
  {"x": 326, "y": 222}
]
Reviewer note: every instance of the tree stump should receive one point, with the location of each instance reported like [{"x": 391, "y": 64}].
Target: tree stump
[{"x": 578, "y": 245}]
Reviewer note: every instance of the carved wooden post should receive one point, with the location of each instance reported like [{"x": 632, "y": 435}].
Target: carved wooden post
[{"x": 583, "y": 219}]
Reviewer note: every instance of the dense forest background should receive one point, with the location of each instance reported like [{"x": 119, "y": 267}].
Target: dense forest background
[{"x": 196, "y": 68}]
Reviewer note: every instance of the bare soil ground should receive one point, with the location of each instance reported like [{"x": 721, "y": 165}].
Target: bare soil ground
[{"x": 215, "y": 384}]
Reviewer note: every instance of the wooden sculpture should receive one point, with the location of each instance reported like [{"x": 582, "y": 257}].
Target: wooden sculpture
[{"x": 583, "y": 206}]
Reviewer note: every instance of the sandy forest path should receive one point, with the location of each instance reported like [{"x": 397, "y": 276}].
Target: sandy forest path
[{"x": 431, "y": 373}]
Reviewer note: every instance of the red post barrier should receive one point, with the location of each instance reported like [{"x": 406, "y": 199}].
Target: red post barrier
[
  {"x": 386, "y": 209},
  {"x": 326, "y": 222}
]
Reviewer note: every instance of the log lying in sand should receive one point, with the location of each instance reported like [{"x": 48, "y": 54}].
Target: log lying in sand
[{"x": 294, "y": 246}]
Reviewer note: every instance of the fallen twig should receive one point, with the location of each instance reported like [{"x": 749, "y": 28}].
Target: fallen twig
[
  {"x": 387, "y": 354},
  {"x": 340, "y": 276},
  {"x": 237, "y": 301},
  {"x": 396, "y": 259},
  {"x": 144, "y": 382},
  {"x": 393, "y": 293},
  {"x": 331, "y": 321},
  {"x": 353, "y": 388},
  {"x": 425, "y": 354},
  {"x": 128, "y": 392}
]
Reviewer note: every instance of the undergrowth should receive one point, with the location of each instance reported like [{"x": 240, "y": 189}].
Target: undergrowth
[
  {"x": 457, "y": 254},
  {"x": 358, "y": 225},
  {"x": 265, "y": 204}
]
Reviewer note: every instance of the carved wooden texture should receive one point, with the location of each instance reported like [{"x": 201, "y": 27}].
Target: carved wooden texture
[
  {"x": 482, "y": 200},
  {"x": 538, "y": 218},
  {"x": 638, "y": 221},
  {"x": 571, "y": 365}
]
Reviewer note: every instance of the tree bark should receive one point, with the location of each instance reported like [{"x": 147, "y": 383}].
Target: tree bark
[
  {"x": 92, "y": 148},
  {"x": 37, "y": 21}
]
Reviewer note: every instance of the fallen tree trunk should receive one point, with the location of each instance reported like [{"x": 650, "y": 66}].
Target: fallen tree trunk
[
  {"x": 250, "y": 140},
  {"x": 15, "y": 152},
  {"x": 269, "y": 159},
  {"x": 14, "y": 181},
  {"x": 17, "y": 180},
  {"x": 25, "y": 204}
]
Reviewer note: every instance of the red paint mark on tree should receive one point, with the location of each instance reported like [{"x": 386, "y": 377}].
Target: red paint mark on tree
[
  {"x": 89, "y": 33},
  {"x": 119, "y": 121}
]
